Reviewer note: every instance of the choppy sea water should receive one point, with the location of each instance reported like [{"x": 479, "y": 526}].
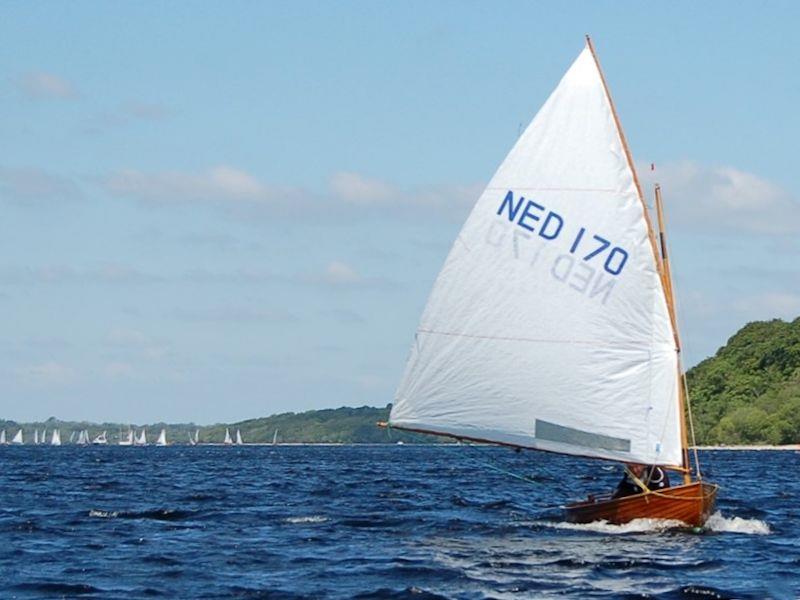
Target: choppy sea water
[{"x": 375, "y": 522}]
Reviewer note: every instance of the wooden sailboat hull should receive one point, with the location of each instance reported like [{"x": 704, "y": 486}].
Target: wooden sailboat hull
[{"x": 691, "y": 503}]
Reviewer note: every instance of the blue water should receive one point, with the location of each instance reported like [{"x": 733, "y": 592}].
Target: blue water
[{"x": 374, "y": 522}]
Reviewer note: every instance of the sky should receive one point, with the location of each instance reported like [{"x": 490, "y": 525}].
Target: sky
[{"x": 214, "y": 211}]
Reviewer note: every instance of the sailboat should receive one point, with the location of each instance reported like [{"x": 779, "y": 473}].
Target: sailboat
[
  {"x": 83, "y": 438},
  {"x": 18, "y": 439},
  {"x": 71, "y": 437},
  {"x": 162, "y": 438},
  {"x": 127, "y": 440},
  {"x": 275, "y": 437},
  {"x": 55, "y": 439},
  {"x": 44, "y": 435},
  {"x": 35, "y": 437},
  {"x": 141, "y": 440},
  {"x": 101, "y": 440},
  {"x": 239, "y": 440},
  {"x": 552, "y": 324},
  {"x": 228, "y": 441},
  {"x": 3, "y": 437}
]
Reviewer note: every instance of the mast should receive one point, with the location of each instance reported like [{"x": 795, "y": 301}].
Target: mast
[{"x": 666, "y": 278}]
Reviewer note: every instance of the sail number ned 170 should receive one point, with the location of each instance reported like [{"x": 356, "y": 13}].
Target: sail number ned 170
[{"x": 549, "y": 225}]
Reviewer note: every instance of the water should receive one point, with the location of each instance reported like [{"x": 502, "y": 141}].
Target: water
[{"x": 374, "y": 522}]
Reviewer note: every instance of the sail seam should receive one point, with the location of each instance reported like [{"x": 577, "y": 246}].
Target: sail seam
[{"x": 520, "y": 339}]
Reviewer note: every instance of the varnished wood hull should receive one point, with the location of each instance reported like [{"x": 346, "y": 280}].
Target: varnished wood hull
[{"x": 692, "y": 504}]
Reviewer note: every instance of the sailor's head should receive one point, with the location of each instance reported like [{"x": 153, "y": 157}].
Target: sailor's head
[{"x": 635, "y": 468}]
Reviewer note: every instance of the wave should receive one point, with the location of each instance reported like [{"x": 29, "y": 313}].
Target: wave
[
  {"x": 635, "y": 526},
  {"x": 721, "y": 524},
  {"x": 159, "y": 514},
  {"x": 716, "y": 523},
  {"x": 307, "y": 519}
]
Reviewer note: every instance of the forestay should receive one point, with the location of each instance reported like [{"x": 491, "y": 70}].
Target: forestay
[{"x": 548, "y": 326}]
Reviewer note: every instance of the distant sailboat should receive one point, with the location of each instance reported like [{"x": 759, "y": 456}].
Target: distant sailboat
[
  {"x": 162, "y": 438},
  {"x": 83, "y": 438},
  {"x": 55, "y": 439},
  {"x": 275, "y": 437},
  {"x": 71, "y": 437},
  {"x": 18, "y": 438},
  {"x": 35, "y": 437},
  {"x": 141, "y": 440},
  {"x": 3, "y": 437},
  {"x": 100, "y": 440},
  {"x": 228, "y": 441},
  {"x": 192, "y": 441},
  {"x": 44, "y": 435},
  {"x": 127, "y": 440},
  {"x": 239, "y": 440},
  {"x": 196, "y": 436}
]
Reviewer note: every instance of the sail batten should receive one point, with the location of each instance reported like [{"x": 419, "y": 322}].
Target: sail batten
[{"x": 548, "y": 326}]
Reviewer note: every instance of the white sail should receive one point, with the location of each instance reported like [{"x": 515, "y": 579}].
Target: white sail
[
  {"x": 196, "y": 436},
  {"x": 239, "y": 440},
  {"x": 3, "y": 437},
  {"x": 162, "y": 438},
  {"x": 101, "y": 440},
  {"x": 83, "y": 438},
  {"x": 127, "y": 440},
  {"x": 55, "y": 439},
  {"x": 548, "y": 326},
  {"x": 192, "y": 441},
  {"x": 228, "y": 440},
  {"x": 141, "y": 440},
  {"x": 275, "y": 437},
  {"x": 44, "y": 435},
  {"x": 35, "y": 436},
  {"x": 18, "y": 439}
]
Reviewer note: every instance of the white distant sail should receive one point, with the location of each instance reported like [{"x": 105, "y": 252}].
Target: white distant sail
[
  {"x": 275, "y": 437},
  {"x": 162, "y": 438},
  {"x": 228, "y": 440},
  {"x": 101, "y": 440},
  {"x": 71, "y": 437},
  {"x": 141, "y": 440},
  {"x": 239, "y": 440},
  {"x": 3, "y": 437},
  {"x": 18, "y": 439},
  {"x": 83, "y": 438},
  {"x": 548, "y": 326},
  {"x": 127, "y": 440},
  {"x": 55, "y": 439},
  {"x": 196, "y": 436},
  {"x": 44, "y": 435},
  {"x": 192, "y": 441},
  {"x": 35, "y": 436}
]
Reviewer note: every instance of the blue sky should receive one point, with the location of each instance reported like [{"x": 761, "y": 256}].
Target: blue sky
[{"x": 214, "y": 211}]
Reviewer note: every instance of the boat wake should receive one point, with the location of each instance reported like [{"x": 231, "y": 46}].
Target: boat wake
[
  {"x": 721, "y": 524},
  {"x": 717, "y": 523}
]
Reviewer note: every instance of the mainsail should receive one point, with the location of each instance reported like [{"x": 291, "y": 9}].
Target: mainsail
[
  {"x": 56, "y": 438},
  {"x": 548, "y": 326}
]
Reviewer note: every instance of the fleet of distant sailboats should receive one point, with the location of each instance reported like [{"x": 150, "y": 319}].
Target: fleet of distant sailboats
[{"x": 129, "y": 438}]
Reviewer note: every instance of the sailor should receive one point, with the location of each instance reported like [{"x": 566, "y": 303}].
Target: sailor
[{"x": 653, "y": 477}]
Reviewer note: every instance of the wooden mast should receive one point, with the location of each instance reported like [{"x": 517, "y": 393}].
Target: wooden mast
[{"x": 666, "y": 275}]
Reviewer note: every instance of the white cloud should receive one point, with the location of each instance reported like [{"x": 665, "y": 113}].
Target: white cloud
[
  {"x": 47, "y": 374},
  {"x": 715, "y": 198},
  {"x": 28, "y": 183},
  {"x": 41, "y": 85},
  {"x": 119, "y": 370},
  {"x": 339, "y": 273},
  {"x": 62, "y": 274},
  {"x": 770, "y": 305},
  {"x": 235, "y": 189},
  {"x": 147, "y": 111}
]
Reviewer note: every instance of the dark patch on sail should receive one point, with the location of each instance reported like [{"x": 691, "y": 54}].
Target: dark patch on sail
[{"x": 575, "y": 437}]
